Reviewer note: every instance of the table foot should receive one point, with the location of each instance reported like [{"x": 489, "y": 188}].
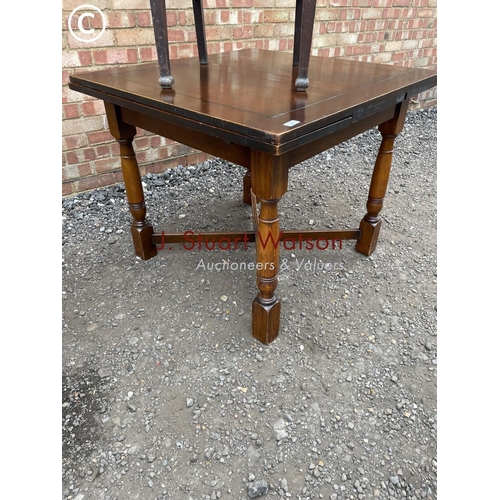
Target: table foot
[
  {"x": 142, "y": 238},
  {"x": 367, "y": 242},
  {"x": 265, "y": 320}
]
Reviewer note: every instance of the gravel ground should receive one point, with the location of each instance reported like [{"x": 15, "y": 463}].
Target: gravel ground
[{"x": 166, "y": 395}]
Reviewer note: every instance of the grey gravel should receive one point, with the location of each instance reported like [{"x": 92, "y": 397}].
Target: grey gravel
[{"x": 167, "y": 396}]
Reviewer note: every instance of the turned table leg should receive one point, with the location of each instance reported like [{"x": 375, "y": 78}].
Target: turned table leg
[
  {"x": 370, "y": 224},
  {"x": 141, "y": 229},
  {"x": 269, "y": 183}
]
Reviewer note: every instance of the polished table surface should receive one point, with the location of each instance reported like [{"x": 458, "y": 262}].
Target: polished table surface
[
  {"x": 243, "y": 106},
  {"x": 248, "y": 96}
]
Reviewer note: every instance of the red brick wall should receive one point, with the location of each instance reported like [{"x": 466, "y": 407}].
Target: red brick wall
[{"x": 401, "y": 32}]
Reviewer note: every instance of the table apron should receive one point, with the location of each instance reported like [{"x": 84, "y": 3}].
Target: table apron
[
  {"x": 318, "y": 141},
  {"x": 215, "y": 146}
]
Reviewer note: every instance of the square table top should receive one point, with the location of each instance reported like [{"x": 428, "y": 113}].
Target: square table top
[{"x": 250, "y": 93}]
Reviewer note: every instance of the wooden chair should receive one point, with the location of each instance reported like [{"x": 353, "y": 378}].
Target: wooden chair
[{"x": 304, "y": 23}]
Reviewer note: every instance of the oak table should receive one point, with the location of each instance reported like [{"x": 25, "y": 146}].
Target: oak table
[{"x": 244, "y": 107}]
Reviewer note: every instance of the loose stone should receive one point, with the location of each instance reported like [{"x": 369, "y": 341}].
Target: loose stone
[{"x": 257, "y": 488}]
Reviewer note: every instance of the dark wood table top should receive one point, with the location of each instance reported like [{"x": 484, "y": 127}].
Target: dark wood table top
[{"x": 249, "y": 97}]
